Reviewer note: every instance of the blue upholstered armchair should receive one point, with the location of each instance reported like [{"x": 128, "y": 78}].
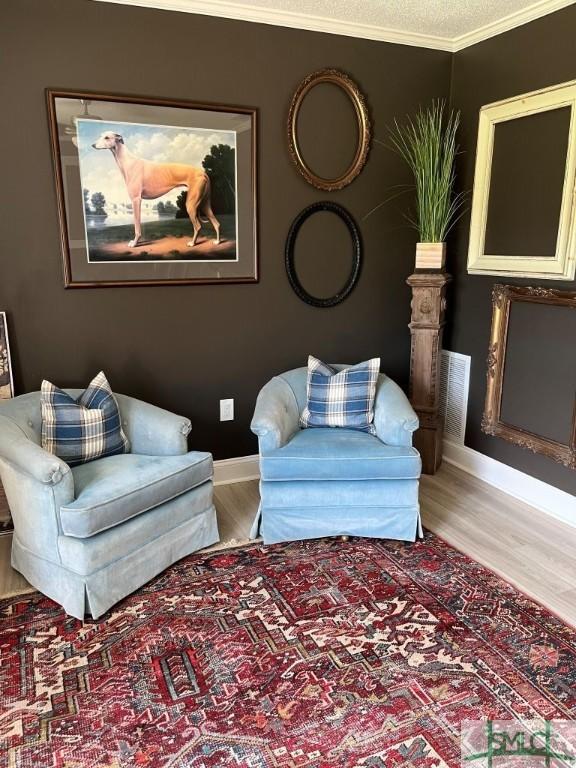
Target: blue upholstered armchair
[
  {"x": 87, "y": 536},
  {"x": 326, "y": 482}
]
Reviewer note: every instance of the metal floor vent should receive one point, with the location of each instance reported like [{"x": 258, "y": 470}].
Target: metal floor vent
[{"x": 454, "y": 384}]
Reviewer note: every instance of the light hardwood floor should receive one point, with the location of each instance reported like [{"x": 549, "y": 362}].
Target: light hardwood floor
[{"x": 527, "y": 548}]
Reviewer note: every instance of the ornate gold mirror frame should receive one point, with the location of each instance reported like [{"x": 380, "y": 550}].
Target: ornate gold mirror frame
[
  {"x": 344, "y": 82},
  {"x": 502, "y": 297}
]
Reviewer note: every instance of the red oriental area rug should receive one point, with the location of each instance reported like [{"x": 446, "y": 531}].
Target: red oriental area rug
[{"x": 324, "y": 654}]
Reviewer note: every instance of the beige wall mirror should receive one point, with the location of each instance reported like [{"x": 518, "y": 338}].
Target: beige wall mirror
[
  {"x": 523, "y": 220},
  {"x": 329, "y": 130}
]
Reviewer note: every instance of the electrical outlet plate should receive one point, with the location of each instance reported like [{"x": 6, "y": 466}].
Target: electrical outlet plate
[{"x": 227, "y": 410}]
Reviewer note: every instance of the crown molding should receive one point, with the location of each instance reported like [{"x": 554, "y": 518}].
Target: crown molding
[
  {"x": 260, "y": 15},
  {"x": 513, "y": 20},
  {"x": 246, "y": 12}
]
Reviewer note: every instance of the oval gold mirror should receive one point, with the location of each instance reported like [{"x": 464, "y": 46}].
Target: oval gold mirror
[{"x": 363, "y": 129}]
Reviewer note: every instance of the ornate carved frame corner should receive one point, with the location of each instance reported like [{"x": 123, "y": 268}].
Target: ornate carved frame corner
[{"x": 492, "y": 424}]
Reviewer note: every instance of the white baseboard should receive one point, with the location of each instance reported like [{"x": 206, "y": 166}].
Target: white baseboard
[
  {"x": 236, "y": 470},
  {"x": 544, "y": 497}
]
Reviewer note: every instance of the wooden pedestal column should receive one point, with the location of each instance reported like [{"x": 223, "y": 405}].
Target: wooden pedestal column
[{"x": 428, "y": 311}]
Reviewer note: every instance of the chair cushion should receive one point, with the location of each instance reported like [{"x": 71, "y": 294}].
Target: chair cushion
[
  {"x": 339, "y": 454},
  {"x": 343, "y": 398},
  {"x": 112, "y": 490},
  {"x": 84, "y": 429}
]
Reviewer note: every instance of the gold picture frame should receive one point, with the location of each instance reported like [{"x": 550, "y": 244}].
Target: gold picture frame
[
  {"x": 492, "y": 424},
  {"x": 335, "y": 77}
]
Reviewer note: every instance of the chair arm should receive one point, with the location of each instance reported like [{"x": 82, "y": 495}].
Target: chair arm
[
  {"x": 394, "y": 417},
  {"x": 30, "y": 459},
  {"x": 276, "y": 416},
  {"x": 152, "y": 431}
]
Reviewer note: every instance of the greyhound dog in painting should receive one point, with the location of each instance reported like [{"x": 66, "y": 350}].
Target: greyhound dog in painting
[{"x": 146, "y": 180}]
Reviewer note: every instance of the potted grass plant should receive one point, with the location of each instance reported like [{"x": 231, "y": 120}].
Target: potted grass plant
[{"x": 428, "y": 145}]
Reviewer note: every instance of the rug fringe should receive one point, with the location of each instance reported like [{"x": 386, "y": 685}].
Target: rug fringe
[{"x": 231, "y": 544}]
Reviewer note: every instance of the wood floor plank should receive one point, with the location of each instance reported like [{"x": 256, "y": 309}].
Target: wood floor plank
[
  {"x": 4, "y": 511},
  {"x": 529, "y": 549},
  {"x": 236, "y": 505},
  {"x": 11, "y": 582}
]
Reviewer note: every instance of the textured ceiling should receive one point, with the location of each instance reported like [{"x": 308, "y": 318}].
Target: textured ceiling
[{"x": 444, "y": 18}]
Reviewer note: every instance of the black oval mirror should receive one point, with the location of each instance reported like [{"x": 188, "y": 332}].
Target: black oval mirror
[{"x": 290, "y": 255}]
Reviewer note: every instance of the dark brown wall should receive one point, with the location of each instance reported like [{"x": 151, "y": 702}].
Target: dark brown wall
[
  {"x": 186, "y": 347},
  {"x": 533, "y": 56}
]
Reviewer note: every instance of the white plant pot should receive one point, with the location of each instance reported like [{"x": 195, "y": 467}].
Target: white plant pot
[{"x": 430, "y": 255}]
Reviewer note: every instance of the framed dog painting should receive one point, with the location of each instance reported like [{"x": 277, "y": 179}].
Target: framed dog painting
[
  {"x": 6, "y": 380},
  {"x": 152, "y": 191}
]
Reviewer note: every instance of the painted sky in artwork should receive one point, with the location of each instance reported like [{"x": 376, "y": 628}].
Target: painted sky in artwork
[{"x": 160, "y": 144}]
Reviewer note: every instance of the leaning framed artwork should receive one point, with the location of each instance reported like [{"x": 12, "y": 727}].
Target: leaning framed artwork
[
  {"x": 153, "y": 191},
  {"x": 523, "y": 220},
  {"x": 530, "y": 387},
  {"x": 6, "y": 380}
]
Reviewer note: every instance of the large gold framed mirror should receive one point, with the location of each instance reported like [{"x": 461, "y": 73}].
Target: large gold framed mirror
[
  {"x": 530, "y": 386},
  {"x": 360, "y": 127}
]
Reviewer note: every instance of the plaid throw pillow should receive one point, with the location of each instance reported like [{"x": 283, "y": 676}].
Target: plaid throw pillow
[
  {"x": 85, "y": 429},
  {"x": 341, "y": 398}
]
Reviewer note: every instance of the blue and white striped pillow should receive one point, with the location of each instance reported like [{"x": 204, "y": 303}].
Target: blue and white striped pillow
[
  {"x": 341, "y": 398},
  {"x": 81, "y": 430}
]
